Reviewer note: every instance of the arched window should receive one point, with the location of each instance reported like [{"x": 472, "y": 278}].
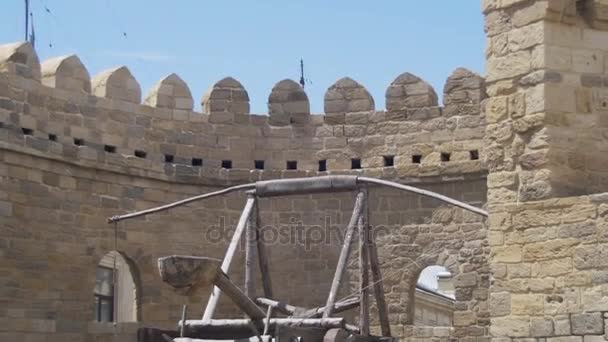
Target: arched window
[
  {"x": 434, "y": 297},
  {"x": 115, "y": 293}
]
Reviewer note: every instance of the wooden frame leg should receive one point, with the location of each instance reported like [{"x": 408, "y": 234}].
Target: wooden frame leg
[
  {"x": 263, "y": 258},
  {"x": 363, "y": 270},
  {"x": 344, "y": 255},
  {"x": 236, "y": 237},
  {"x": 251, "y": 252},
  {"x": 379, "y": 288}
]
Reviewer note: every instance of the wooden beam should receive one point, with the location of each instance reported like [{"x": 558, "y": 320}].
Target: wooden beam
[
  {"x": 184, "y": 318},
  {"x": 190, "y": 272},
  {"x": 379, "y": 288},
  {"x": 199, "y": 326},
  {"x": 363, "y": 270},
  {"x": 267, "y": 321},
  {"x": 344, "y": 255},
  {"x": 284, "y": 308},
  {"x": 215, "y": 295},
  {"x": 250, "y": 252},
  {"x": 250, "y": 339},
  {"x": 300, "y": 312},
  {"x": 263, "y": 257}
]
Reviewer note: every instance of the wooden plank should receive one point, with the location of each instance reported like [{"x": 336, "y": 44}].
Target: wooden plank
[
  {"x": 184, "y": 318},
  {"x": 284, "y": 308},
  {"x": 379, "y": 288},
  {"x": 250, "y": 252},
  {"x": 340, "y": 306},
  {"x": 363, "y": 270},
  {"x": 300, "y": 312},
  {"x": 263, "y": 257},
  {"x": 198, "y": 327},
  {"x": 185, "y": 272},
  {"x": 250, "y": 339},
  {"x": 344, "y": 255},
  {"x": 361, "y": 338},
  {"x": 267, "y": 321},
  {"x": 215, "y": 295},
  {"x": 238, "y": 297}
]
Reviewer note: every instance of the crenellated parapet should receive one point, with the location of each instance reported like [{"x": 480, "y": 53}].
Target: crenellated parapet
[
  {"x": 20, "y": 59},
  {"x": 409, "y": 92},
  {"x": 117, "y": 83},
  {"x": 347, "y": 96},
  {"x": 57, "y": 110},
  {"x": 463, "y": 93},
  {"x": 226, "y": 96},
  {"x": 171, "y": 92},
  {"x": 288, "y": 104},
  {"x": 66, "y": 72}
]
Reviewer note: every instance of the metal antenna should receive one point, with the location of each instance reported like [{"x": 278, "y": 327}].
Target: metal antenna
[
  {"x": 33, "y": 34},
  {"x": 302, "y": 81},
  {"x": 27, "y": 18}
]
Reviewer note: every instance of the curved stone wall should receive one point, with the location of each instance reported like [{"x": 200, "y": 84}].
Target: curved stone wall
[
  {"x": 75, "y": 151},
  {"x": 102, "y": 122}
]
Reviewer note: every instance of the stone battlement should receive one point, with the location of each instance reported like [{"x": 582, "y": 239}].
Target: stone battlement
[{"x": 57, "y": 109}]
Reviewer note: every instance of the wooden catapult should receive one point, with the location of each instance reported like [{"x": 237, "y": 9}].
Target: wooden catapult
[{"x": 187, "y": 273}]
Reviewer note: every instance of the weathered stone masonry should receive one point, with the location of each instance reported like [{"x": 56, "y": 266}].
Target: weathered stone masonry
[
  {"x": 75, "y": 152},
  {"x": 546, "y": 138}
]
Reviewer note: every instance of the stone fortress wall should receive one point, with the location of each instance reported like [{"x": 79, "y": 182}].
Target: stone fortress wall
[
  {"x": 103, "y": 122},
  {"x": 546, "y": 141},
  {"x": 75, "y": 151}
]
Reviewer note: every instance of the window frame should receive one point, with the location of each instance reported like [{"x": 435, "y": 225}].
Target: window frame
[{"x": 98, "y": 298}]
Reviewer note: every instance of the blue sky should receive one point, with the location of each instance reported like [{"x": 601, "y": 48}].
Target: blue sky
[{"x": 260, "y": 42}]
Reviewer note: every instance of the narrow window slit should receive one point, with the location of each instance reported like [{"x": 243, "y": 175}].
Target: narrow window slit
[
  {"x": 292, "y": 165},
  {"x": 27, "y": 131},
  {"x": 197, "y": 162},
  {"x": 140, "y": 154},
  {"x": 226, "y": 164},
  {"x": 78, "y": 142},
  {"x": 109, "y": 148},
  {"x": 322, "y": 165},
  {"x": 389, "y": 161}
]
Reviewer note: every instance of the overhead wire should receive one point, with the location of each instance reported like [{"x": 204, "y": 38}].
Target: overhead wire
[
  {"x": 55, "y": 25},
  {"x": 129, "y": 43}
]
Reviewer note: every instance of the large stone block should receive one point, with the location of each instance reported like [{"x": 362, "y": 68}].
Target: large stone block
[
  {"x": 587, "y": 323},
  {"x": 541, "y": 327},
  {"x": 510, "y": 326},
  {"x": 590, "y": 257}
]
